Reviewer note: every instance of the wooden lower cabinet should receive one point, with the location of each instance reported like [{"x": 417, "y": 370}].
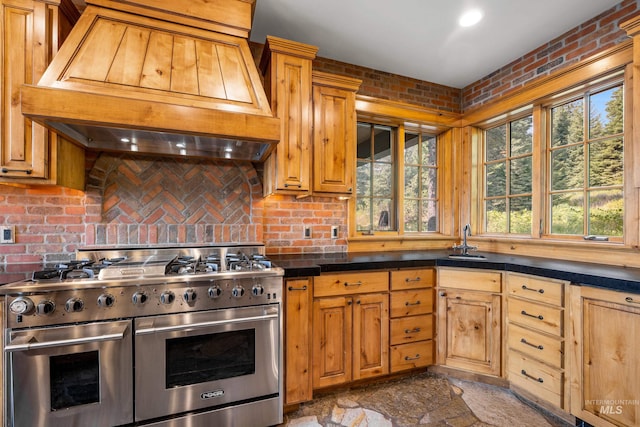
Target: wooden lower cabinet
[
  {"x": 350, "y": 338},
  {"x": 297, "y": 340},
  {"x": 536, "y": 323},
  {"x": 605, "y": 352},
  {"x": 412, "y": 319},
  {"x": 469, "y": 321}
]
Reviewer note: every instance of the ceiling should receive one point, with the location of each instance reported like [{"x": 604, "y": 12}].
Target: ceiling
[{"x": 421, "y": 38}]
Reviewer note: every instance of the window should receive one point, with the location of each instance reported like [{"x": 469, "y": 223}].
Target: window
[
  {"x": 578, "y": 141},
  {"x": 396, "y": 192},
  {"x": 420, "y": 183},
  {"x": 375, "y": 204},
  {"x": 508, "y": 177},
  {"x": 586, "y": 164}
]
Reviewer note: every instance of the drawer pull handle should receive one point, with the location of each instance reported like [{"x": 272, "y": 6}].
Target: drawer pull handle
[
  {"x": 523, "y": 341},
  {"x": 523, "y": 372},
  {"x": 7, "y": 170},
  {"x": 412, "y": 303},
  {"x": 304, "y": 288},
  {"x": 524, "y": 287},
  {"x": 416, "y": 357},
  {"x": 524, "y": 313},
  {"x": 417, "y": 279},
  {"x": 352, "y": 284},
  {"x": 631, "y": 300},
  {"x": 411, "y": 331},
  {"x": 287, "y": 185}
]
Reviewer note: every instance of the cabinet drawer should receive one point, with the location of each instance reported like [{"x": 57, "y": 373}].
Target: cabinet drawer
[
  {"x": 413, "y": 279},
  {"x": 408, "y": 356},
  {"x": 410, "y": 303},
  {"x": 541, "y": 317},
  {"x": 490, "y": 281},
  {"x": 541, "y": 380},
  {"x": 536, "y": 289},
  {"x": 412, "y": 328},
  {"x": 350, "y": 283},
  {"x": 544, "y": 348}
]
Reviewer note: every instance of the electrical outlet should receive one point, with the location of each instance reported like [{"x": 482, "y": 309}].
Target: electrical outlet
[
  {"x": 334, "y": 231},
  {"x": 307, "y": 232},
  {"x": 7, "y": 234}
]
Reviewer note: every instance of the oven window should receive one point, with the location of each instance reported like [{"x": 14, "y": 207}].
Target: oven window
[
  {"x": 75, "y": 379},
  {"x": 204, "y": 358}
]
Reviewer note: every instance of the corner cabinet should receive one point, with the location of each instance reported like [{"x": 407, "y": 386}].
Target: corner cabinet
[
  {"x": 350, "y": 327},
  {"x": 286, "y": 66},
  {"x": 298, "y": 294},
  {"x": 469, "y": 320},
  {"x": 30, "y": 154},
  {"x": 605, "y": 352},
  {"x": 334, "y": 133}
]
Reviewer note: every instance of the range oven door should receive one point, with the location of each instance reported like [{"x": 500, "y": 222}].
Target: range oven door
[
  {"x": 186, "y": 362},
  {"x": 78, "y": 375}
]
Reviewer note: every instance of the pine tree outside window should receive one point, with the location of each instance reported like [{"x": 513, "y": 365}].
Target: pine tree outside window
[
  {"x": 585, "y": 158},
  {"x": 508, "y": 177}
]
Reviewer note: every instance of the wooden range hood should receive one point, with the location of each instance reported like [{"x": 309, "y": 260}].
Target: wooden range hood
[{"x": 161, "y": 77}]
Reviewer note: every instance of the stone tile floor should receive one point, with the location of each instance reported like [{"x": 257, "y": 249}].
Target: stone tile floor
[{"x": 424, "y": 400}]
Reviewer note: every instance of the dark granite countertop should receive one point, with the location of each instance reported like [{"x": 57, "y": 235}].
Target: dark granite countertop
[{"x": 610, "y": 277}]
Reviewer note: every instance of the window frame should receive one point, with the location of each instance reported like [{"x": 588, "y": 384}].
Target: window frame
[
  {"x": 540, "y": 109},
  {"x": 582, "y": 94}
]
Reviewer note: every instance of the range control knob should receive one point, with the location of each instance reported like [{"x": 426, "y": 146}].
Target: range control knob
[
  {"x": 257, "y": 290},
  {"x": 215, "y": 291},
  {"x": 73, "y": 305},
  {"x": 44, "y": 308},
  {"x": 189, "y": 296},
  {"x": 139, "y": 298},
  {"x": 237, "y": 291},
  {"x": 21, "y": 305},
  {"x": 167, "y": 297},
  {"x": 106, "y": 300}
]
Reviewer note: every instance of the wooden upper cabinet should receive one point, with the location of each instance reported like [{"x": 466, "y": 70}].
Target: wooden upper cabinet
[
  {"x": 334, "y": 133},
  {"x": 32, "y": 31},
  {"x": 286, "y": 67}
]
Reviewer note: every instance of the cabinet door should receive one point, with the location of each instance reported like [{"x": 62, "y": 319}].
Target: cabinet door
[
  {"x": 297, "y": 337},
  {"x": 606, "y": 351},
  {"x": 23, "y": 143},
  {"x": 332, "y": 341},
  {"x": 370, "y": 335},
  {"x": 334, "y": 133},
  {"x": 469, "y": 330}
]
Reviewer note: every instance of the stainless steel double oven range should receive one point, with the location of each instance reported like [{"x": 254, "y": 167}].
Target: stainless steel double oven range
[{"x": 184, "y": 336}]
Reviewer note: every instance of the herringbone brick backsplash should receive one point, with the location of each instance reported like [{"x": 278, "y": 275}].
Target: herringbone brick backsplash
[{"x": 158, "y": 200}]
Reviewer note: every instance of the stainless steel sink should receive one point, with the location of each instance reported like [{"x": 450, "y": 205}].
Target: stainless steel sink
[{"x": 468, "y": 257}]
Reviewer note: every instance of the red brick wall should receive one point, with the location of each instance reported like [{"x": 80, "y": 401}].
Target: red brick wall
[
  {"x": 383, "y": 85},
  {"x": 594, "y": 36},
  {"x": 141, "y": 200},
  {"x": 286, "y": 217}
]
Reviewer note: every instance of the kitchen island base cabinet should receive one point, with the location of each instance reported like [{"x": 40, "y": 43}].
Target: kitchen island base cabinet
[{"x": 605, "y": 352}]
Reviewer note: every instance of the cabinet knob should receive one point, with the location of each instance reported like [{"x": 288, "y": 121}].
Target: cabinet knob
[{"x": 443, "y": 294}]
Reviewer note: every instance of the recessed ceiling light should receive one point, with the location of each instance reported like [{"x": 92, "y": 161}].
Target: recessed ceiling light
[{"x": 469, "y": 18}]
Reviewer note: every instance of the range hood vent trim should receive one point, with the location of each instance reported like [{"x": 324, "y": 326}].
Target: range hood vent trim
[{"x": 125, "y": 72}]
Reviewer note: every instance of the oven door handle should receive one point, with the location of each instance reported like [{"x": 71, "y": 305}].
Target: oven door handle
[
  {"x": 30, "y": 341},
  {"x": 200, "y": 325}
]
